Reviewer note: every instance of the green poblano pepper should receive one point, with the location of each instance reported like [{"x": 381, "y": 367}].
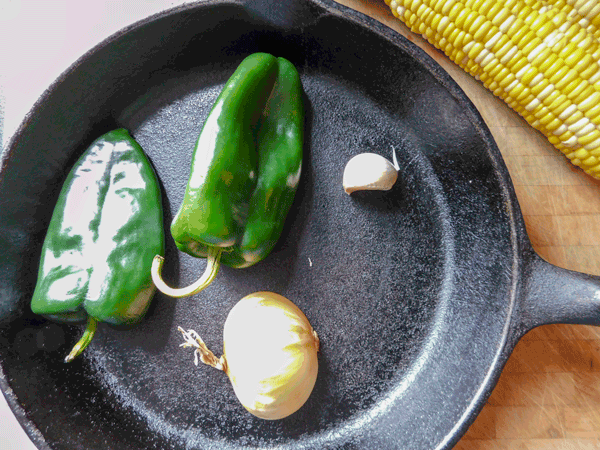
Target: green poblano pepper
[
  {"x": 105, "y": 229},
  {"x": 245, "y": 170}
]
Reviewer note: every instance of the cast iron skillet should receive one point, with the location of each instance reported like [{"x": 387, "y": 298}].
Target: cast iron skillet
[{"x": 418, "y": 294}]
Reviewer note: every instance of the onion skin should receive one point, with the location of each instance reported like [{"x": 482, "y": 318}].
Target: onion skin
[{"x": 270, "y": 350}]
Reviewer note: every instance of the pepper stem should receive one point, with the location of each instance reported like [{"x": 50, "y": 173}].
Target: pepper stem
[
  {"x": 212, "y": 268},
  {"x": 87, "y": 337},
  {"x": 192, "y": 339}
]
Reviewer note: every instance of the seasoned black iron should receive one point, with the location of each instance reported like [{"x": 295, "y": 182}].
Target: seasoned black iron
[{"x": 418, "y": 294}]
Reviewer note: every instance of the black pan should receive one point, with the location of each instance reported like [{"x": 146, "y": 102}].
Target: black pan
[{"x": 419, "y": 294}]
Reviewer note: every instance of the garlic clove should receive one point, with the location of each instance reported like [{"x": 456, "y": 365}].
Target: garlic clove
[{"x": 369, "y": 172}]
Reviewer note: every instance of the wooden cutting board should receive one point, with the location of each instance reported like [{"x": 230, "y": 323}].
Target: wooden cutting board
[{"x": 548, "y": 397}]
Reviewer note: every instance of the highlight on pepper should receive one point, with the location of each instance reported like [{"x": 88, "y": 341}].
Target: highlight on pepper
[
  {"x": 105, "y": 229},
  {"x": 245, "y": 171}
]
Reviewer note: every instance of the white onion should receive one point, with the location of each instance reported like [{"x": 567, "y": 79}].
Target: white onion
[{"x": 269, "y": 353}]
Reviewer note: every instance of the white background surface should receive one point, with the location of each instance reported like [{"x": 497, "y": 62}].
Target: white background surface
[{"x": 39, "y": 39}]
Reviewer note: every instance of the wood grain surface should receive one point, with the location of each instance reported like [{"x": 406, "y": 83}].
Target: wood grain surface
[{"x": 548, "y": 397}]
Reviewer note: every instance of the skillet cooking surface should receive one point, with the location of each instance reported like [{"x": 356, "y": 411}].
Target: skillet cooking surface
[{"x": 410, "y": 290}]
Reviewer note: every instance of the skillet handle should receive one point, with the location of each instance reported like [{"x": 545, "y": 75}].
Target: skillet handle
[{"x": 556, "y": 295}]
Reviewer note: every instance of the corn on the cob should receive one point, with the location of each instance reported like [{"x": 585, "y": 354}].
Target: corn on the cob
[{"x": 540, "y": 56}]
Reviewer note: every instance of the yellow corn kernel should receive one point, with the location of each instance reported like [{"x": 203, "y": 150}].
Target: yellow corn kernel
[
  {"x": 461, "y": 17},
  {"x": 584, "y": 62},
  {"x": 526, "y": 13},
  {"x": 539, "y": 87},
  {"x": 565, "y": 136},
  {"x": 554, "y": 140},
  {"x": 436, "y": 20},
  {"x": 569, "y": 77},
  {"x": 530, "y": 46},
  {"x": 455, "y": 11},
  {"x": 518, "y": 63},
  {"x": 574, "y": 119},
  {"x": 589, "y": 138},
  {"x": 593, "y": 112},
  {"x": 447, "y": 5},
  {"x": 592, "y": 70},
  {"x": 548, "y": 60},
  {"x": 574, "y": 57},
  {"x": 500, "y": 17},
  {"x": 483, "y": 30},
  {"x": 591, "y": 161},
  {"x": 577, "y": 88},
  {"x": 553, "y": 124},
  {"x": 472, "y": 26},
  {"x": 545, "y": 29},
  {"x": 558, "y": 74},
  {"x": 581, "y": 154},
  {"x": 451, "y": 28},
  {"x": 485, "y": 7}
]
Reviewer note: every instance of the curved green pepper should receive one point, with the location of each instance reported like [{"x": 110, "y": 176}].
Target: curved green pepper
[
  {"x": 105, "y": 229},
  {"x": 245, "y": 170}
]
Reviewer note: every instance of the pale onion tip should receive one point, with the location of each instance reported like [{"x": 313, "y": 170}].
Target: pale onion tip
[{"x": 369, "y": 172}]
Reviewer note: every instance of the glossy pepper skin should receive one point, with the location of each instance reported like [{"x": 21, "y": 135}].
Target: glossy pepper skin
[
  {"x": 246, "y": 165},
  {"x": 105, "y": 229}
]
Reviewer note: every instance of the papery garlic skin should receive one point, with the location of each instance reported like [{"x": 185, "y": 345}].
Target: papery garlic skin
[{"x": 271, "y": 353}]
